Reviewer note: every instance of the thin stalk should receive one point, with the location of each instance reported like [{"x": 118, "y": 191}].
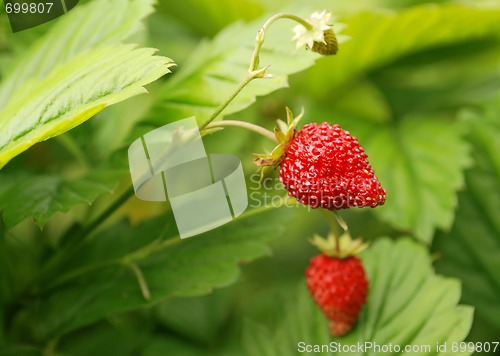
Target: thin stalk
[
  {"x": 334, "y": 228},
  {"x": 261, "y": 34},
  {"x": 86, "y": 232},
  {"x": 226, "y": 102},
  {"x": 253, "y": 72},
  {"x": 340, "y": 221},
  {"x": 135, "y": 256},
  {"x": 126, "y": 260},
  {"x": 140, "y": 279},
  {"x": 245, "y": 125}
]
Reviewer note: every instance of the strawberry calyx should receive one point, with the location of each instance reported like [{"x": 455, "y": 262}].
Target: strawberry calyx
[
  {"x": 284, "y": 134},
  {"x": 339, "y": 247}
]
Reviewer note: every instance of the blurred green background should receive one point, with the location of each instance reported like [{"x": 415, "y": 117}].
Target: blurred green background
[{"x": 417, "y": 83}]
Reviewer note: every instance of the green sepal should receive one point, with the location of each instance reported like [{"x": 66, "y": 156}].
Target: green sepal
[
  {"x": 279, "y": 135},
  {"x": 284, "y": 134},
  {"x": 346, "y": 246}
]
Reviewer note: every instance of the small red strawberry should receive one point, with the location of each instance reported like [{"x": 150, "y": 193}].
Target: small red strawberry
[
  {"x": 324, "y": 166},
  {"x": 338, "y": 284}
]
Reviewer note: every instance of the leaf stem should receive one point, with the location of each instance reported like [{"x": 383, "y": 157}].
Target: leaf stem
[
  {"x": 134, "y": 256},
  {"x": 222, "y": 106},
  {"x": 333, "y": 220},
  {"x": 340, "y": 221},
  {"x": 261, "y": 34},
  {"x": 246, "y": 125},
  {"x": 253, "y": 72},
  {"x": 87, "y": 230},
  {"x": 140, "y": 279}
]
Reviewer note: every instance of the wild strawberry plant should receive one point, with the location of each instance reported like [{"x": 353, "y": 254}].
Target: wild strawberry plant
[{"x": 87, "y": 268}]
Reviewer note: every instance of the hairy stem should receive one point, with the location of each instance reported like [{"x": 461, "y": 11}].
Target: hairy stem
[
  {"x": 134, "y": 256},
  {"x": 253, "y": 71},
  {"x": 261, "y": 34},
  {"x": 341, "y": 221},
  {"x": 140, "y": 279},
  {"x": 87, "y": 230},
  {"x": 222, "y": 106},
  {"x": 332, "y": 219},
  {"x": 246, "y": 125}
]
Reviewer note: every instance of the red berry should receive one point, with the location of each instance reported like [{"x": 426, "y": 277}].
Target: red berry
[
  {"x": 339, "y": 287},
  {"x": 324, "y": 166}
]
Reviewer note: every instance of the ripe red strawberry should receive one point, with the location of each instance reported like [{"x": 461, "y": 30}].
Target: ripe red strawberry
[
  {"x": 339, "y": 287},
  {"x": 324, "y": 166}
]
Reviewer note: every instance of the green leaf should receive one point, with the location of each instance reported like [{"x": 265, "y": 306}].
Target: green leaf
[
  {"x": 407, "y": 305},
  {"x": 197, "y": 318},
  {"x": 441, "y": 79},
  {"x": 88, "y": 26},
  {"x": 40, "y": 197},
  {"x": 379, "y": 37},
  {"x": 215, "y": 69},
  {"x": 420, "y": 173},
  {"x": 52, "y": 88},
  {"x": 74, "y": 92},
  {"x": 98, "y": 281},
  {"x": 117, "y": 337},
  {"x": 470, "y": 250}
]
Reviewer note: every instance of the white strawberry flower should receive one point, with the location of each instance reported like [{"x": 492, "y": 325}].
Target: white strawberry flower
[
  {"x": 306, "y": 37},
  {"x": 319, "y": 36}
]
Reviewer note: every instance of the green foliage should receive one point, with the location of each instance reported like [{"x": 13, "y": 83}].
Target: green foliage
[
  {"x": 417, "y": 83},
  {"x": 407, "y": 305},
  {"x": 85, "y": 27},
  {"x": 40, "y": 196},
  {"x": 101, "y": 279},
  {"x": 420, "y": 173},
  {"x": 470, "y": 250},
  {"x": 375, "y": 33},
  {"x": 37, "y": 114},
  {"x": 61, "y": 93}
]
